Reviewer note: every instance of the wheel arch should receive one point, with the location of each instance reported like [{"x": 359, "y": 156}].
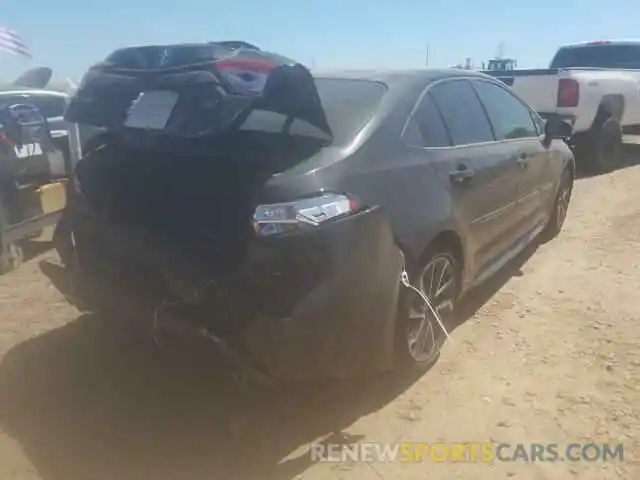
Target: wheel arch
[
  {"x": 611, "y": 106},
  {"x": 447, "y": 239}
]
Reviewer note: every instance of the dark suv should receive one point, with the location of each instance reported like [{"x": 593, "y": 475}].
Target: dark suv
[{"x": 277, "y": 221}]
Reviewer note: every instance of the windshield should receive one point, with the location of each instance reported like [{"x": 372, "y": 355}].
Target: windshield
[
  {"x": 598, "y": 56},
  {"x": 51, "y": 106},
  {"x": 348, "y": 104}
]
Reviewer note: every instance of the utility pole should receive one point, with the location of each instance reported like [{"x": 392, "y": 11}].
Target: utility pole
[{"x": 426, "y": 60}]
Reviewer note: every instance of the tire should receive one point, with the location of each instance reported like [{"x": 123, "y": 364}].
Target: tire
[
  {"x": 11, "y": 259},
  {"x": 600, "y": 150},
  {"x": 410, "y": 352},
  {"x": 560, "y": 207}
]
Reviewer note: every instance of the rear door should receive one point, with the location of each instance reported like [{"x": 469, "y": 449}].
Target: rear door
[
  {"x": 515, "y": 129},
  {"x": 477, "y": 171}
]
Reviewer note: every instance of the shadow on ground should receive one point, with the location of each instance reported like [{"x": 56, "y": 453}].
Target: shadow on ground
[
  {"x": 86, "y": 402},
  {"x": 630, "y": 157},
  {"x": 35, "y": 249}
]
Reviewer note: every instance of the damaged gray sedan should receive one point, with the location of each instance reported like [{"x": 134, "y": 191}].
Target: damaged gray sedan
[{"x": 233, "y": 194}]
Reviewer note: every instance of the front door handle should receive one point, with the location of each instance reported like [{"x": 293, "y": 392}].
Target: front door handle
[{"x": 462, "y": 174}]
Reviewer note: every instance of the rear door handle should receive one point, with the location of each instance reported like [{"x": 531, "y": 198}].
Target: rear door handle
[
  {"x": 462, "y": 174},
  {"x": 523, "y": 160}
]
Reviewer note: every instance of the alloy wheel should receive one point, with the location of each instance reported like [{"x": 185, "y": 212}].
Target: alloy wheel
[
  {"x": 562, "y": 205},
  {"x": 438, "y": 283}
]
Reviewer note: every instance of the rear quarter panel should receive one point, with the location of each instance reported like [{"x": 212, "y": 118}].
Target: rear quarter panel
[
  {"x": 384, "y": 172},
  {"x": 381, "y": 170}
]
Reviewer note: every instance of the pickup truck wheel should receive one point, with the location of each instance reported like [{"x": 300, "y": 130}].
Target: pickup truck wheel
[
  {"x": 600, "y": 150},
  {"x": 419, "y": 337},
  {"x": 11, "y": 258}
]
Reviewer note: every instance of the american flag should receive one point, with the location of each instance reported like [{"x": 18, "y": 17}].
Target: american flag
[{"x": 12, "y": 43}]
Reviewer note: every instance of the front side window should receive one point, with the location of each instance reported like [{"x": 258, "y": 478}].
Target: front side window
[{"x": 509, "y": 117}]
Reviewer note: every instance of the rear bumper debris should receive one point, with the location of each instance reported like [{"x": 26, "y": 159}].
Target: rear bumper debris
[{"x": 308, "y": 305}]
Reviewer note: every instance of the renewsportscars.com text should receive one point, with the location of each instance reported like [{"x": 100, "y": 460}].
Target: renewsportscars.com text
[{"x": 489, "y": 452}]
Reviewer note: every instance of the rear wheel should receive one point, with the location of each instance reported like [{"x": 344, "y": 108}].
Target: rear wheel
[
  {"x": 419, "y": 336},
  {"x": 560, "y": 207}
]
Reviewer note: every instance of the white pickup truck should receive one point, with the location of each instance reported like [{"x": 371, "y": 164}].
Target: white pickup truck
[{"x": 594, "y": 86}]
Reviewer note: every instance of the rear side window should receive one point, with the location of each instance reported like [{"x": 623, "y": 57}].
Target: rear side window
[
  {"x": 509, "y": 117},
  {"x": 426, "y": 127},
  {"x": 598, "y": 56},
  {"x": 462, "y": 112},
  {"x": 348, "y": 105}
]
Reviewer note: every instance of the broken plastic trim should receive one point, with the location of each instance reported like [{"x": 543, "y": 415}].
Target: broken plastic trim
[{"x": 165, "y": 321}]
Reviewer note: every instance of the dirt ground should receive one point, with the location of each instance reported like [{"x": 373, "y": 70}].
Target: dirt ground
[{"x": 549, "y": 353}]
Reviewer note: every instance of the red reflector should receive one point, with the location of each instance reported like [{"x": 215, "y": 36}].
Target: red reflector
[
  {"x": 258, "y": 66},
  {"x": 354, "y": 204},
  {"x": 568, "y": 92}
]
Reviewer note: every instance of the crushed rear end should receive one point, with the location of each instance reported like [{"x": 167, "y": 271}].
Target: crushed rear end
[{"x": 170, "y": 221}]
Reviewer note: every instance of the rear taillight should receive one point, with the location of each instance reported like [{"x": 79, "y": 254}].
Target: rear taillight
[
  {"x": 248, "y": 65},
  {"x": 313, "y": 211},
  {"x": 568, "y": 92}
]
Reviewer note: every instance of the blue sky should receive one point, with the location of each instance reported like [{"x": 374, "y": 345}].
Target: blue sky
[{"x": 68, "y": 35}]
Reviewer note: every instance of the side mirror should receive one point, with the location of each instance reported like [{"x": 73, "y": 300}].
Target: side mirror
[{"x": 556, "y": 128}]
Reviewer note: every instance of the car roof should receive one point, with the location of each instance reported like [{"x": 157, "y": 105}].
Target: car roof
[
  {"x": 596, "y": 43},
  {"x": 397, "y": 76},
  {"x": 404, "y": 86}
]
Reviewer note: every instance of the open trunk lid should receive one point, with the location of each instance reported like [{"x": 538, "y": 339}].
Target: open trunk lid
[{"x": 194, "y": 90}]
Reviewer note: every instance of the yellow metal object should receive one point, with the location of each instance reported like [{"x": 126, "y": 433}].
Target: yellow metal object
[
  {"x": 47, "y": 198},
  {"x": 53, "y": 196}
]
